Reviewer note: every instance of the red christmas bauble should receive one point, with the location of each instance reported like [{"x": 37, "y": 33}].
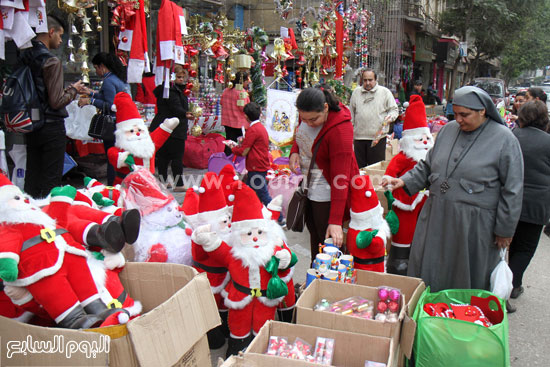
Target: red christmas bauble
[
  {"x": 189, "y": 86},
  {"x": 186, "y": 65},
  {"x": 193, "y": 52},
  {"x": 124, "y": 39},
  {"x": 298, "y": 72},
  {"x": 192, "y": 73},
  {"x": 187, "y": 92},
  {"x": 122, "y": 28},
  {"x": 299, "y": 80}
]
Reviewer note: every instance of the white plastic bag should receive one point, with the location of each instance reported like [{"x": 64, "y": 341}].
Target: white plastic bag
[{"x": 501, "y": 278}]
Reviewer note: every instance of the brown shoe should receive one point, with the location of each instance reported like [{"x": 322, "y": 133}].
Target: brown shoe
[
  {"x": 510, "y": 308},
  {"x": 516, "y": 292},
  {"x": 180, "y": 189}
]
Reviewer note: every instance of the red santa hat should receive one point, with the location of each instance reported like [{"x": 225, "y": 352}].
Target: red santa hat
[
  {"x": 81, "y": 199},
  {"x": 363, "y": 196},
  {"x": 415, "y": 122},
  {"x": 211, "y": 198},
  {"x": 227, "y": 176},
  {"x": 190, "y": 205},
  {"x": 143, "y": 192},
  {"x": 127, "y": 114},
  {"x": 248, "y": 211},
  {"x": 7, "y": 188},
  {"x": 275, "y": 206}
]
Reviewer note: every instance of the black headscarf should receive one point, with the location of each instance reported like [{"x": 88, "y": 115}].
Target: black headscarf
[{"x": 477, "y": 99}]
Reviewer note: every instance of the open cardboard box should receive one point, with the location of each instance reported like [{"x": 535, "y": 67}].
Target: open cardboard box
[
  {"x": 412, "y": 289},
  {"x": 178, "y": 310},
  {"x": 350, "y": 349},
  {"x": 376, "y": 172},
  {"x": 392, "y": 148},
  {"x": 333, "y": 291}
]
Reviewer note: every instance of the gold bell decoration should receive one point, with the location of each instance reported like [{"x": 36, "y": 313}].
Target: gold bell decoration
[
  {"x": 95, "y": 13},
  {"x": 70, "y": 6},
  {"x": 196, "y": 131},
  {"x": 229, "y": 84},
  {"x": 84, "y": 66},
  {"x": 85, "y": 79},
  {"x": 279, "y": 51},
  {"x": 71, "y": 57},
  {"x": 73, "y": 29},
  {"x": 197, "y": 111}
]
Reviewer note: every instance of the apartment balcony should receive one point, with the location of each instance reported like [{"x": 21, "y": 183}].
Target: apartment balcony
[{"x": 412, "y": 11}]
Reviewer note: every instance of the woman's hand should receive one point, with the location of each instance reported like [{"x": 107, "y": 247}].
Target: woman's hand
[
  {"x": 392, "y": 183},
  {"x": 335, "y": 232},
  {"x": 502, "y": 242},
  {"x": 83, "y": 102},
  {"x": 294, "y": 162},
  {"x": 190, "y": 116}
]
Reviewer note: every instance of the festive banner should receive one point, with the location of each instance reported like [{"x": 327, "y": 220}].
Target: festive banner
[{"x": 281, "y": 117}]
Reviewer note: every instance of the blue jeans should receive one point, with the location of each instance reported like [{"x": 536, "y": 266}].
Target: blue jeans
[{"x": 256, "y": 180}]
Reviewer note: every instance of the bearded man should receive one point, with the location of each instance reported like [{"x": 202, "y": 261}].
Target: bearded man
[
  {"x": 134, "y": 146},
  {"x": 413, "y": 147}
]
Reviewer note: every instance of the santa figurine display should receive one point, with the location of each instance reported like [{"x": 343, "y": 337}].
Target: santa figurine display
[
  {"x": 44, "y": 258},
  {"x": 256, "y": 261},
  {"x": 413, "y": 147},
  {"x": 368, "y": 230},
  {"x": 134, "y": 146},
  {"x": 212, "y": 210},
  {"x": 164, "y": 235}
]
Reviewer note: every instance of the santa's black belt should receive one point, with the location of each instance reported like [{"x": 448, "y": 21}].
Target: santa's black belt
[
  {"x": 373, "y": 261},
  {"x": 210, "y": 269},
  {"x": 121, "y": 175},
  {"x": 254, "y": 292},
  {"x": 119, "y": 301},
  {"x": 46, "y": 234}
]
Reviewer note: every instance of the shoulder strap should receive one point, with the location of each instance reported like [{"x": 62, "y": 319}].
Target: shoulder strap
[{"x": 315, "y": 149}]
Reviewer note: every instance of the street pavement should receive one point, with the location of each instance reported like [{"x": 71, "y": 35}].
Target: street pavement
[{"x": 528, "y": 327}]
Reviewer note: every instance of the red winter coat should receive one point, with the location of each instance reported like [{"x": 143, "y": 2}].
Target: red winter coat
[{"x": 337, "y": 161}]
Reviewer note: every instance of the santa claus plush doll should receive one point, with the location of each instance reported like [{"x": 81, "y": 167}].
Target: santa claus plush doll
[
  {"x": 134, "y": 146},
  {"x": 368, "y": 230},
  {"x": 256, "y": 262},
  {"x": 212, "y": 210},
  {"x": 164, "y": 235},
  {"x": 413, "y": 147},
  {"x": 44, "y": 258},
  {"x": 106, "y": 198}
]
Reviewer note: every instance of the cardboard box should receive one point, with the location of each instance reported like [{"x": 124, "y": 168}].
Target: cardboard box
[
  {"x": 350, "y": 349},
  {"x": 376, "y": 172},
  {"x": 333, "y": 291},
  {"x": 178, "y": 310},
  {"x": 392, "y": 148}
]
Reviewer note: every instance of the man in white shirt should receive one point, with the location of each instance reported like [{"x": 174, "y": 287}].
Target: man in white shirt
[{"x": 373, "y": 109}]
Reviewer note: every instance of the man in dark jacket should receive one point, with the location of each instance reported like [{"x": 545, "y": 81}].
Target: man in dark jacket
[{"x": 46, "y": 146}]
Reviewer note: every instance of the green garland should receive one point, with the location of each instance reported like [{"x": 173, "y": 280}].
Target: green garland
[
  {"x": 260, "y": 40},
  {"x": 342, "y": 92}
]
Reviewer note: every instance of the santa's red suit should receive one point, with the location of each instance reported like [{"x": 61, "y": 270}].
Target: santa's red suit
[
  {"x": 134, "y": 146},
  {"x": 52, "y": 266},
  {"x": 368, "y": 230},
  {"x": 414, "y": 145}
]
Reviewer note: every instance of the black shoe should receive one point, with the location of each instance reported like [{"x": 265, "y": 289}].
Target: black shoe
[
  {"x": 398, "y": 260},
  {"x": 108, "y": 236},
  {"x": 78, "y": 319},
  {"x": 510, "y": 308},
  {"x": 547, "y": 230},
  {"x": 234, "y": 346},
  {"x": 286, "y": 315},
  {"x": 516, "y": 292},
  {"x": 216, "y": 339},
  {"x": 129, "y": 221}
]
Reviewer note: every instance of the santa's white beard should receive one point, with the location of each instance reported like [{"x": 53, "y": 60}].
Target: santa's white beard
[
  {"x": 140, "y": 146},
  {"x": 31, "y": 215},
  {"x": 251, "y": 257},
  {"x": 414, "y": 149}
]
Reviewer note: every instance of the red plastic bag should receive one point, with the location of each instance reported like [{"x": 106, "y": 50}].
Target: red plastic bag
[{"x": 199, "y": 149}]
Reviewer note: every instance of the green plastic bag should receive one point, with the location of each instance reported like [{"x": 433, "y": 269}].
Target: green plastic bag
[{"x": 447, "y": 342}]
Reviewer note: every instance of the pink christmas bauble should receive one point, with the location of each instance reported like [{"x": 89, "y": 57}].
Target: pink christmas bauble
[
  {"x": 394, "y": 294},
  {"x": 382, "y": 306},
  {"x": 383, "y": 294}
]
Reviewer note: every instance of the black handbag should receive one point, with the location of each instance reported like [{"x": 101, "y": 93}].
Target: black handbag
[
  {"x": 296, "y": 212},
  {"x": 102, "y": 126}
]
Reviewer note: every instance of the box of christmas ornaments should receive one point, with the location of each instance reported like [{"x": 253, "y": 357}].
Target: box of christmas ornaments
[
  {"x": 378, "y": 311},
  {"x": 177, "y": 309},
  {"x": 283, "y": 344}
]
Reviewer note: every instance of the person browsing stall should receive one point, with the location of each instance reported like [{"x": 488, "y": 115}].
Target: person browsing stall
[
  {"x": 320, "y": 109},
  {"x": 475, "y": 176},
  {"x": 255, "y": 147}
]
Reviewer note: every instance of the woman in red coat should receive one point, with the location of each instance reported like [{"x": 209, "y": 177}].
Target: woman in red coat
[{"x": 328, "y": 123}]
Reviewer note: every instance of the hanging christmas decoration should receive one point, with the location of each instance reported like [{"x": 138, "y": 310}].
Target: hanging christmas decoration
[
  {"x": 257, "y": 40},
  {"x": 283, "y": 7}
]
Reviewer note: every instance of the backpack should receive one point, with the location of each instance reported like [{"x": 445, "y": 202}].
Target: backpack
[{"x": 21, "y": 110}]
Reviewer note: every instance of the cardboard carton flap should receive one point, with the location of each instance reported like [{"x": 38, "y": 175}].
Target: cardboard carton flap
[
  {"x": 408, "y": 330},
  {"x": 29, "y": 345},
  {"x": 162, "y": 335}
]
